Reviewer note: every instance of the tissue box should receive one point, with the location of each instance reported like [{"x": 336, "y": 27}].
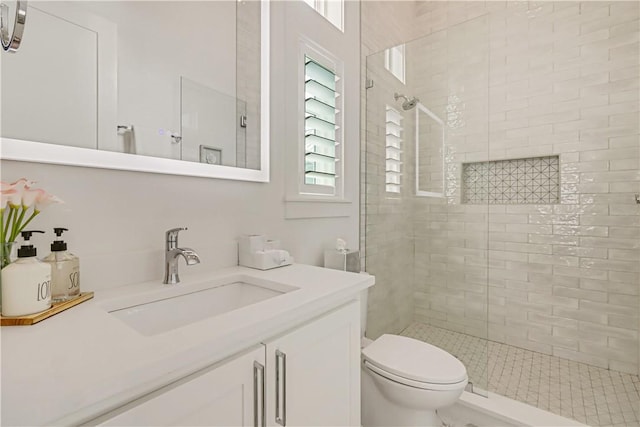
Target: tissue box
[
  {"x": 346, "y": 261},
  {"x": 257, "y": 252}
]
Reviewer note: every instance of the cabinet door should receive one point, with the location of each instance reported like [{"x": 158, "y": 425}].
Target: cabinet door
[
  {"x": 313, "y": 372},
  {"x": 222, "y": 395}
]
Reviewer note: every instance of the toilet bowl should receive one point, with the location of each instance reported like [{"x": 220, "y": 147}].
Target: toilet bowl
[{"x": 404, "y": 382}]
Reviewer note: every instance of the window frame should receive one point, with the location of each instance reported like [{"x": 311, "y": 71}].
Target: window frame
[
  {"x": 393, "y": 54},
  {"x": 323, "y": 8},
  {"x": 328, "y": 61}
]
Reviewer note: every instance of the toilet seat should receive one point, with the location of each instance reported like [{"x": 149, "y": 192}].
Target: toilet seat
[
  {"x": 414, "y": 363},
  {"x": 412, "y": 383}
]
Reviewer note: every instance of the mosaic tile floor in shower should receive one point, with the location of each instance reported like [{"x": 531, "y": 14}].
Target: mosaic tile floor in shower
[{"x": 594, "y": 396}]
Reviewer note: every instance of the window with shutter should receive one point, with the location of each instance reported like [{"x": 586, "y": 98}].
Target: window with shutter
[
  {"x": 393, "y": 148},
  {"x": 322, "y": 126}
]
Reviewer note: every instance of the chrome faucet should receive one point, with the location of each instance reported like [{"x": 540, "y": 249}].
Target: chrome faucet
[{"x": 171, "y": 256}]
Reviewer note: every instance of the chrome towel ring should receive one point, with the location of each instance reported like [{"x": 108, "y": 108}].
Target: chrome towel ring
[{"x": 12, "y": 43}]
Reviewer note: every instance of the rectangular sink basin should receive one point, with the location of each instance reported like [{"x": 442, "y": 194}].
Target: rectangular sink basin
[{"x": 168, "y": 312}]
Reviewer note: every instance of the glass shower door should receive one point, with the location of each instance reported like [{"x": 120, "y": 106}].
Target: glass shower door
[{"x": 427, "y": 247}]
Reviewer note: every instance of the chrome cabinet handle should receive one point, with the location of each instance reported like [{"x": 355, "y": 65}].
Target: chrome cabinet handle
[
  {"x": 281, "y": 418},
  {"x": 259, "y": 417},
  {"x": 12, "y": 43}
]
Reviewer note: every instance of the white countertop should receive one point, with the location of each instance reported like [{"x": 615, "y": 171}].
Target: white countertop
[{"x": 84, "y": 361}]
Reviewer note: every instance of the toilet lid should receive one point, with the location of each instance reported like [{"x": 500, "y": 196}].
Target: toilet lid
[{"x": 415, "y": 360}]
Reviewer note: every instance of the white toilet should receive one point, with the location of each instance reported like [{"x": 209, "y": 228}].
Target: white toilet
[{"x": 404, "y": 381}]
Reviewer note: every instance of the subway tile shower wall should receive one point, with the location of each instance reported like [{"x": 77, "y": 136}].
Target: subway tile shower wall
[
  {"x": 527, "y": 79},
  {"x": 562, "y": 278}
]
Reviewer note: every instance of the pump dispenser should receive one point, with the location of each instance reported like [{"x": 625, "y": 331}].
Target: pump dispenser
[
  {"x": 58, "y": 244},
  {"x": 27, "y": 250},
  {"x": 65, "y": 269},
  {"x": 26, "y": 283}
]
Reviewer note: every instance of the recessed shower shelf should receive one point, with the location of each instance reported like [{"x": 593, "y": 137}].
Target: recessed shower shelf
[{"x": 534, "y": 180}]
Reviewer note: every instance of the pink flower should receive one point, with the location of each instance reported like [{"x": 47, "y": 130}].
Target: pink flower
[
  {"x": 29, "y": 196},
  {"x": 6, "y": 196},
  {"x": 14, "y": 192},
  {"x": 21, "y": 198},
  {"x": 45, "y": 199},
  {"x": 11, "y": 195},
  {"x": 23, "y": 183}
]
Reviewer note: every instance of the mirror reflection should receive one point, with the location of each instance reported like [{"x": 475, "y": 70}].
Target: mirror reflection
[{"x": 170, "y": 79}]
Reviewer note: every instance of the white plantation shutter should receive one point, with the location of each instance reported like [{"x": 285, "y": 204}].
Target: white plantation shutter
[
  {"x": 322, "y": 125},
  {"x": 393, "y": 150}
]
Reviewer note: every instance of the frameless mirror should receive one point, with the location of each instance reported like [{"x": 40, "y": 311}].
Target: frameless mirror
[{"x": 175, "y": 87}]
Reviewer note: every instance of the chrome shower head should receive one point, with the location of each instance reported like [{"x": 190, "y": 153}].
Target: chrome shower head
[{"x": 408, "y": 103}]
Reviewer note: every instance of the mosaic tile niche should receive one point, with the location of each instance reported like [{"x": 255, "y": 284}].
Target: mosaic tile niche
[{"x": 506, "y": 182}]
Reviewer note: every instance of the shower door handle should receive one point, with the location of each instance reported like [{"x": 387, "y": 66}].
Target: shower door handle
[{"x": 281, "y": 384}]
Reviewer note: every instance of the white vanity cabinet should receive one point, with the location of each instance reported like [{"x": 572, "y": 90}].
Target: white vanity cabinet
[
  {"x": 222, "y": 395},
  {"x": 313, "y": 372},
  {"x": 309, "y": 375}
]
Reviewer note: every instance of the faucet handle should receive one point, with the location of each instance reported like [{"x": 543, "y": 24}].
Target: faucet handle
[{"x": 172, "y": 235}]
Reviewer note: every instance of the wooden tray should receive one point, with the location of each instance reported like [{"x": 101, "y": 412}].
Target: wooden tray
[{"x": 56, "y": 308}]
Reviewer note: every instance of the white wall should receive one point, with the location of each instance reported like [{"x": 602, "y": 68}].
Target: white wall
[{"x": 117, "y": 219}]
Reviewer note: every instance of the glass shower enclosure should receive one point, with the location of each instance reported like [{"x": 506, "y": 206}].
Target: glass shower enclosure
[
  {"x": 500, "y": 202},
  {"x": 426, "y": 118}
]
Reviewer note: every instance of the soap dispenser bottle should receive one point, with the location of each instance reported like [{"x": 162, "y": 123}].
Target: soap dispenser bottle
[
  {"x": 26, "y": 283},
  {"x": 65, "y": 269}
]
